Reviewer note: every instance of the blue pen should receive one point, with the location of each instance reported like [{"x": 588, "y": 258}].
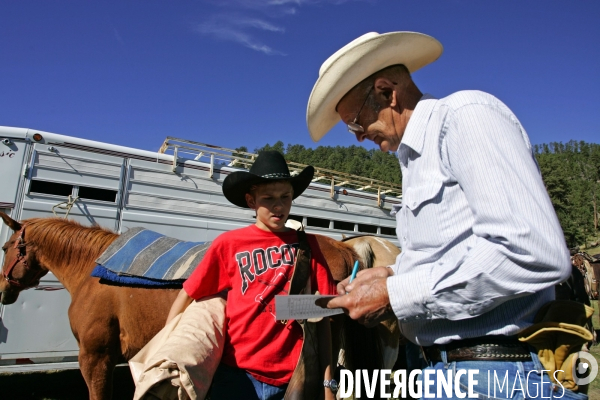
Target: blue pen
[{"x": 354, "y": 271}]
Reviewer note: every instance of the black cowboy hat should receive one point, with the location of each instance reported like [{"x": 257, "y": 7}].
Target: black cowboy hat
[{"x": 270, "y": 166}]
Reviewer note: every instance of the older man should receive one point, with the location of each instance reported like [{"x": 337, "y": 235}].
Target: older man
[{"x": 481, "y": 244}]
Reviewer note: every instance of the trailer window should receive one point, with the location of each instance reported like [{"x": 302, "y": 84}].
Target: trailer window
[
  {"x": 295, "y": 218},
  {"x": 388, "y": 231},
  {"x": 97, "y": 194},
  {"x": 367, "y": 228},
  {"x": 344, "y": 226},
  {"x": 57, "y": 189},
  {"x": 317, "y": 222}
]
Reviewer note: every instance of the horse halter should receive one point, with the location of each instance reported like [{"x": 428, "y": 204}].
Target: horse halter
[{"x": 20, "y": 246}]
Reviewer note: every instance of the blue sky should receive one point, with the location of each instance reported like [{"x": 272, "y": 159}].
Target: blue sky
[{"x": 239, "y": 72}]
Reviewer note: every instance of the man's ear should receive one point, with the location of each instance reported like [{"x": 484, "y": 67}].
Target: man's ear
[
  {"x": 387, "y": 90},
  {"x": 250, "y": 201}
]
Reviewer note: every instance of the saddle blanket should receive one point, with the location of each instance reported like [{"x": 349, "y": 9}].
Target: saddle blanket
[{"x": 147, "y": 258}]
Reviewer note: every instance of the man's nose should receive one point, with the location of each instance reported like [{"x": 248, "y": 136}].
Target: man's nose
[{"x": 360, "y": 136}]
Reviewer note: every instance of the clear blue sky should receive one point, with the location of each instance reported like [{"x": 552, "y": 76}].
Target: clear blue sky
[{"x": 239, "y": 72}]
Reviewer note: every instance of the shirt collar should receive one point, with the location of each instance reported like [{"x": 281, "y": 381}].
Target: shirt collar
[{"x": 414, "y": 135}]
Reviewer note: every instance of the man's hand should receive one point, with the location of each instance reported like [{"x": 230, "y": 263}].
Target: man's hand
[{"x": 366, "y": 299}]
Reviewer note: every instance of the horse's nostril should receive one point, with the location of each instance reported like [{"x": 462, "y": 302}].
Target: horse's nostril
[{"x": 8, "y": 298}]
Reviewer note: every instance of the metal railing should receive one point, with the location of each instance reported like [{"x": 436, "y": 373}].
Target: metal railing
[{"x": 216, "y": 155}]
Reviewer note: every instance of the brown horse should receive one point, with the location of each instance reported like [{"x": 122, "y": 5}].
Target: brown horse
[{"x": 112, "y": 323}]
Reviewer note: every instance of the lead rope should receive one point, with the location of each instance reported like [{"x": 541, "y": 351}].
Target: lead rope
[{"x": 65, "y": 205}]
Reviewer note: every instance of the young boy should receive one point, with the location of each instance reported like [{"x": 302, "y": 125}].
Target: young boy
[{"x": 254, "y": 264}]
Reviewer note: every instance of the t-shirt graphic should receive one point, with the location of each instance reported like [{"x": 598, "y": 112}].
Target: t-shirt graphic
[
  {"x": 256, "y": 263},
  {"x": 277, "y": 285},
  {"x": 253, "y": 267}
]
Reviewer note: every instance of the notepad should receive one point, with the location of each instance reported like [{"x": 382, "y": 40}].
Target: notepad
[{"x": 302, "y": 306}]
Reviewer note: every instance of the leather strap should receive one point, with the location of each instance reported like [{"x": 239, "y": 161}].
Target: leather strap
[
  {"x": 20, "y": 258},
  {"x": 301, "y": 273},
  {"x": 306, "y": 382}
]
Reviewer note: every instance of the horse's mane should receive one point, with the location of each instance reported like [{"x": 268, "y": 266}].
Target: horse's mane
[
  {"x": 67, "y": 241},
  {"x": 363, "y": 248},
  {"x": 365, "y": 252}
]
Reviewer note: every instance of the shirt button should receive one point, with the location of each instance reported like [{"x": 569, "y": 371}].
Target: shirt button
[{"x": 414, "y": 203}]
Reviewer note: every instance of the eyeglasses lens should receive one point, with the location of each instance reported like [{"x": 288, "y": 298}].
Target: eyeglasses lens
[{"x": 353, "y": 127}]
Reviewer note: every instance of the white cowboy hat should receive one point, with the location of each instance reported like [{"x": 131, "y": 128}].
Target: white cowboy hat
[{"x": 358, "y": 60}]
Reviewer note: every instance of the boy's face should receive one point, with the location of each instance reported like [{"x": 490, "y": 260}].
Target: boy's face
[{"x": 272, "y": 202}]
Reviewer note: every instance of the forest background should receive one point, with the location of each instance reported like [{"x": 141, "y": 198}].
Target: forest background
[{"x": 571, "y": 173}]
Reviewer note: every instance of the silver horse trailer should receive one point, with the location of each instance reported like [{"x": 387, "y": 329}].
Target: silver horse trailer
[{"x": 175, "y": 191}]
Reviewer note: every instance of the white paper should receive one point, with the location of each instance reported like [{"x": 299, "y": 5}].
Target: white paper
[{"x": 302, "y": 306}]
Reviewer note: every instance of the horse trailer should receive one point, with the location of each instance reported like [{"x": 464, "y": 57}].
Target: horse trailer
[{"x": 175, "y": 191}]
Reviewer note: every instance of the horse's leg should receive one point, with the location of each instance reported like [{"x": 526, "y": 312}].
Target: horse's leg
[
  {"x": 97, "y": 331},
  {"x": 97, "y": 370}
]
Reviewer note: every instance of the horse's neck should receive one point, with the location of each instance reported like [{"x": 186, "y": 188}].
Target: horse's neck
[
  {"x": 69, "y": 275},
  {"x": 70, "y": 271}
]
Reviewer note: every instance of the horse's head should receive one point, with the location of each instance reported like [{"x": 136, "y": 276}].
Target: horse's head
[{"x": 20, "y": 269}]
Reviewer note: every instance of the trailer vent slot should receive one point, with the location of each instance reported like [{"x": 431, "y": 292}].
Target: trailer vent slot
[
  {"x": 344, "y": 226},
  {"x": 295, "y": 218},
  {"x": 57, "y": 189},
  {"x": 367, "y": 228},
  {"x": 388, "y": 231},
  {"x": 97, "y": 194},
  {"x": 317, "y": 222}
]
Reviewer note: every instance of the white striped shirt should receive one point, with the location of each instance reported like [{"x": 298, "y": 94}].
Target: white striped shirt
[{"x": 482, "y": 247}]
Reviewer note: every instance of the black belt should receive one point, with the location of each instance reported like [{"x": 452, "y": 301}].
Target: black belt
[{"x": 485, "y": 348}]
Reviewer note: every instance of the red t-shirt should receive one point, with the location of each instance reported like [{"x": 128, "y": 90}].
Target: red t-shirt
[{"x": 256, "y": 265}]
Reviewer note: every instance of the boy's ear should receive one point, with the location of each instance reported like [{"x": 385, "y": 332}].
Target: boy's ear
[{"x": 250, "y": 201}]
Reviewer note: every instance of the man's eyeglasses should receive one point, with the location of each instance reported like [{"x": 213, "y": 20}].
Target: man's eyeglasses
[{"x": 353, "y": 127}]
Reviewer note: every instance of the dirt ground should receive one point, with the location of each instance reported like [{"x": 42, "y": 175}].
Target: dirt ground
[{"x": 60, "y": 385}]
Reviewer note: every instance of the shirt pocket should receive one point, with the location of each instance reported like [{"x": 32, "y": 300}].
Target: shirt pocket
[
  {"x": 423, "y": 227},
  {"x": 415, "y": 198}
]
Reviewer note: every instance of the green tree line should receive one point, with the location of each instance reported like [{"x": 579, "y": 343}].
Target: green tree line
[
  {"x": 354, "y": 160},
  {"x": 571, "y": 173}
]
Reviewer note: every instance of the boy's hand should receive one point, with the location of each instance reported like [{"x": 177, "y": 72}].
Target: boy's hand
[{"x": 366, "y": 299}]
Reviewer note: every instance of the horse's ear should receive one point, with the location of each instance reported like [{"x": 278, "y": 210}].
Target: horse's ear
[{"x": 12, "y": 224}]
